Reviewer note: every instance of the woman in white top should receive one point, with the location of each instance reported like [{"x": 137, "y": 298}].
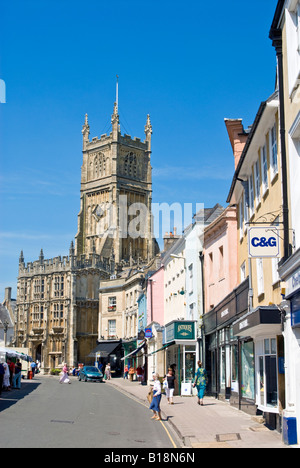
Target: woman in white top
[{"x": 155, "y": 404}]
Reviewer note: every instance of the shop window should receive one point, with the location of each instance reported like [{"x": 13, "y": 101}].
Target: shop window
[
  {"x": 267, "y": 373},
  {"x": 247, "y": 366},
  {"x": 234, "y": 368}
]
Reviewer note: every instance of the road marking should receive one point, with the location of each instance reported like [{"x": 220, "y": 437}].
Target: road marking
[{"x": 143, "y": 404}]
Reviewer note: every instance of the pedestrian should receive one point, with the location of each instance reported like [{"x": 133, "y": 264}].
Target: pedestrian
[
  {"x": 6, "y": 381},
  {"x": 139, "y": 373},
  {"x": 126, "y": 372},
  {"x": 11, "y": 366},
  {"x": 170, "y": 378},
  {"x": 200, "y": 382},
  {"x": 18, "y": 374},
  {"x": 173, "y": 367},
  {"x": 155, "y": 404},
  {"x": 33, "y": 367},
  {"x": 2, "y": 371},
  {"x": 131, "y": 373},
  {"x": 108, "y": 371},
  {"x": 65, "y": 376}
]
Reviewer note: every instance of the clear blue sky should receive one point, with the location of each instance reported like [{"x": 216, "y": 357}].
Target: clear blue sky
[{"x": 188, "y": 64}]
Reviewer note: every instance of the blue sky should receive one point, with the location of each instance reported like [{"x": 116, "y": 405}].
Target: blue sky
[{"x": 188, "y": 64}]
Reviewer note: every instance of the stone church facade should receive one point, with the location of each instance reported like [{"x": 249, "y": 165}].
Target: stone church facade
[{"x": 57, "y": 308}]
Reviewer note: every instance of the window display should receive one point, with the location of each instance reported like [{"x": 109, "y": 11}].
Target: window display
[{"x": 248, "y": 370}]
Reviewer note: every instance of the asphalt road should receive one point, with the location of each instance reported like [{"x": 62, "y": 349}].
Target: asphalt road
[{"x": 46, "y": 414}]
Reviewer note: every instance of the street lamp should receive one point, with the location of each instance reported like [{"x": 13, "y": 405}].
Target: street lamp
[{"x": 5, "y": 328}]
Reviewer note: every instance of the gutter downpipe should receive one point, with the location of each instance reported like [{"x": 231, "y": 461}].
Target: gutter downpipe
[{"x": 276, "y": 37}]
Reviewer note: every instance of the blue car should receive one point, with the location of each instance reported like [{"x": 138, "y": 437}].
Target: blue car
[{"x": 90, "y": 373}]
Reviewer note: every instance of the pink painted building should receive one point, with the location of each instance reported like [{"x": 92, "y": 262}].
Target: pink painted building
[
  {"x": 155, "y": 297},
  {"x": 220, "y": 258}
]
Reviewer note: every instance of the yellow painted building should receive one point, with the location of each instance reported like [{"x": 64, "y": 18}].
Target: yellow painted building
[{"x": 256, "y": 191}]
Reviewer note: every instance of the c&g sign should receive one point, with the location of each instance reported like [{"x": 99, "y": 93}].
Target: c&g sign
[{"x": 263, "y": 242}]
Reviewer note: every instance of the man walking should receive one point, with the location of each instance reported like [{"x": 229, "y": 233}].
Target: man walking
[{"x": 18, "y": 375}]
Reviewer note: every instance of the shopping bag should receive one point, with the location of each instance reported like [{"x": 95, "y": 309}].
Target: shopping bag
[{"x": 150, "y": 395}]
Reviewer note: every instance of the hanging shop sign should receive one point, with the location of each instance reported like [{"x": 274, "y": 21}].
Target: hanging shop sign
[
  {"x": 180, "y": 330},
  {"x": 148, "y": 332},
  {"x": 263, "y": 242}
]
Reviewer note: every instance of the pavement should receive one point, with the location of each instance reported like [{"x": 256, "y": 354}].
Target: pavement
[{"x": 216, "y": 424}]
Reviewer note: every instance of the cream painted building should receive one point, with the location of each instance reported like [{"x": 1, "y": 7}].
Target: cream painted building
[
  {"x": 256, "y": 190},
  {"x": 285, "y": 34}
]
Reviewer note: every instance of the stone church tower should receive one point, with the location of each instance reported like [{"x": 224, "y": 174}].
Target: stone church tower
[
  {"x": 57, "y": 307},
  {"x": 116, "y": 192}
]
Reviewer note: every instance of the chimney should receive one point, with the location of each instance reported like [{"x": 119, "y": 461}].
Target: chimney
[
  {"x": 237, "y": 137},
  {"x": 7, "y": 296}
]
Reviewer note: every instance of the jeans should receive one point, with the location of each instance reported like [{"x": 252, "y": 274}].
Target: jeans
[{"x": 17, "y": 380}]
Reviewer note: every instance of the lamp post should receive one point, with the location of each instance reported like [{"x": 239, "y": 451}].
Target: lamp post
[{"x": 5, "y": 328}]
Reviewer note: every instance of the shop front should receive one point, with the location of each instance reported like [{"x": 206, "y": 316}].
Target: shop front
[
  {"x": 107, "y": 352},
  {"x": 180, "y": 346},
  {"x": 224, "y": 350},
  {"x": 261, "y": 363},
  {"x": 134, "y": 360}
]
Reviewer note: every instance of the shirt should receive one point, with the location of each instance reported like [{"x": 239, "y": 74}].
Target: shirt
[
  {"x": 18, "y": 368},
  {"x": 156, "y": 388},
  {"x": 171, "y": 381}
]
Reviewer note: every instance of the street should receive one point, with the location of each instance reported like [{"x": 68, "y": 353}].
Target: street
[{"x": 46, "y": 414}]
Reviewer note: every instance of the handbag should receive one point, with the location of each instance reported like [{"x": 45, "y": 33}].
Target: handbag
[{"x": 150, "y": 395}]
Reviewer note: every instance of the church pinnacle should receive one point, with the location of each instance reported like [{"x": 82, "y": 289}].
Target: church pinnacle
[{"x": 85, "y": 131}]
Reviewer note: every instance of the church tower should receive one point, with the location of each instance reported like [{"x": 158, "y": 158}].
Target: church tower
[{"x": 116, "y": 195}]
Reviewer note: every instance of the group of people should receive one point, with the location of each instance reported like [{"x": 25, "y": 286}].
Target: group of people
[
  {"x": 10, "y": 375},
  {"x": 200, "y": 382},
  {"x": 130, "y": 371}
]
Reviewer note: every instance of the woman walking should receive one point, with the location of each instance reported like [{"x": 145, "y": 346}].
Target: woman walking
[
  {"x": 6, "y": 380},
  {"x": 200, "y": 382},
  {"x": 65, "y": 377},
  {"x": 155, "y": 404},
  {"x": 170, "y": 377},
  {"x": 107, "y": 371}
]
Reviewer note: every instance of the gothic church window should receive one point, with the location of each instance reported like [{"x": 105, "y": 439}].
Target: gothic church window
[{"x": 130, "y": 165}]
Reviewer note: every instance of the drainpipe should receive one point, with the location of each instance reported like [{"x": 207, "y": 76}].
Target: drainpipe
[{"x": 276, "y": 37}]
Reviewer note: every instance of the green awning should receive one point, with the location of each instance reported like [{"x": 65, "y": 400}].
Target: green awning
[{"x": 165, "y": 346}]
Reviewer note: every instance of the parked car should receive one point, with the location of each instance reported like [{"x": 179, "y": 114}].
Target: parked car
[{"x": 90, "y": 373}]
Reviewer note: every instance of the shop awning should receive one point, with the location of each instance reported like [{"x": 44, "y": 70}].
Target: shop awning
[
  {"x": 105, "y": 349},
  {"x": 165, "y": 346},
  {"x": 14, "y": 353},
  {"x": 257, "y": 321},
  {"x": 133, "y": 353}
]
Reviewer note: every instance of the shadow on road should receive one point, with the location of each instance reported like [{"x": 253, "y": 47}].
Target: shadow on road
[{"x": 8, "y": 399}]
